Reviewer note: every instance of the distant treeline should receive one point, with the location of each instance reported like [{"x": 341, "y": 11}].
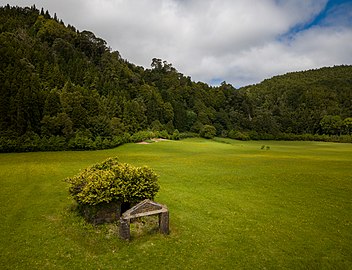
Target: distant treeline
[{"x": 66, "y": 89}]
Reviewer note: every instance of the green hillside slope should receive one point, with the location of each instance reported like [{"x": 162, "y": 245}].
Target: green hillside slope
[{"x": 61, "y": 88}]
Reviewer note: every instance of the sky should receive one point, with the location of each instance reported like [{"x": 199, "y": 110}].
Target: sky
[{"x": 241, "y": 42}]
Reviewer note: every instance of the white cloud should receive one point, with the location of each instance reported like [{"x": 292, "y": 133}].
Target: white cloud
[
  {"x": 240, "y": 41},
  {"x": 312, "y": 48}
]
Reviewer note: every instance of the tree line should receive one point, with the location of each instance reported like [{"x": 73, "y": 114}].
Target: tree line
[{"x": 66, "y": 89}]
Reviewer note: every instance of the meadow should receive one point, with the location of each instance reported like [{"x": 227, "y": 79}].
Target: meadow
[{"x": 233, "y": 205}]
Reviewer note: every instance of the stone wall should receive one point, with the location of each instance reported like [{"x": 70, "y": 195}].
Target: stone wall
[{"x": 102, "y": 213}]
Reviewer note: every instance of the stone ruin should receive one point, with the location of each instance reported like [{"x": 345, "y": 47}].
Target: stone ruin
[
  {"x": 142, "y": 209},
  {"x": 101, "y": 213}
]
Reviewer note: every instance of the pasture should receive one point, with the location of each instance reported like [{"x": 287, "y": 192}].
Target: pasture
[{"x": 233, "y": 205}]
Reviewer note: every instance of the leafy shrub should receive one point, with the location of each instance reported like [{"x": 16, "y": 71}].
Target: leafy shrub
[
  {"x": 237, "y": 135},
  {"x": 175, "y": 135},
  {"x": 142, "y": 136},
  {"x": 112, "y": 181},
  {"x": 81, "y": 142},
  {"x": 208, "y": 132},
  {"x": 185, "y": 135},
  {"x": 163, "y": 134},
  {"x": 253, "y": 135}
]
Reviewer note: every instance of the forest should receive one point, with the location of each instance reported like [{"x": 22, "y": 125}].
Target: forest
[{"x": 61, "y": 89}]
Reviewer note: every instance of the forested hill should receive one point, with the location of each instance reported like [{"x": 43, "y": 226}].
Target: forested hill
[
  {"x": 66, "y": 89},
  {"x": 314, "y": 101}
]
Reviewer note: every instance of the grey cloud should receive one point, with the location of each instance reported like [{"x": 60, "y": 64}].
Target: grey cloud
[{"x": 235, "y": 40}]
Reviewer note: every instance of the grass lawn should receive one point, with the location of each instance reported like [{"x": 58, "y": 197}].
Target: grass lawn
[{"x": 232, "y": 205}]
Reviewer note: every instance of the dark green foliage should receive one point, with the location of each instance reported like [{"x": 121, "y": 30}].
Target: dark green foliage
[
  {"x": 298, "y": 102},
  {"x": 112, "y": 181},
  {"x": 347, "y": 125},
  {"x": 208, "y": 132},
  {"x": 331, "y": 124},
  {"x": 238, "y": 135},
  {"x": 142, "y": 136},
  {"x": 65, "y": 89},
  {"x": 175, "y": 135}
]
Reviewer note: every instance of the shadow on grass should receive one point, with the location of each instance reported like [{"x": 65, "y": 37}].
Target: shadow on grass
[{"x": 79, "y": 227}]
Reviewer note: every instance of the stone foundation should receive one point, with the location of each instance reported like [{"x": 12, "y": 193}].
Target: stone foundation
[
  {"x": 144, "y": 208},
  {"x": 101, "y": 213}
]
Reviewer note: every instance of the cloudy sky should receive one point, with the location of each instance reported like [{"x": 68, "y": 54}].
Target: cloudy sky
[{"x": 238, "y": 41}]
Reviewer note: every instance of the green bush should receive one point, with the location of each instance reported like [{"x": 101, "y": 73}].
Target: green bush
[
  {"x": 208, "y": 132},
  {"x": 175, "y": 135},
  {"x": 112, "y": 181},
  {"x": 185, "y": 135},
  {"x": 237, "y": 135},
  {"x": 81, "y": 142},
  {"x": 142, "y": 136},
  {"x": 163, "y": 134}
]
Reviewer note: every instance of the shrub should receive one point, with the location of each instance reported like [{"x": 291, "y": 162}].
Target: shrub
[
  {"x": 112, "y": 181},
  {"x": 142, "y": 136},
  {"x": 164, "y": 134},
  {"x": 237, "y": 135},
  {"x": 81, "y": 142},
  {"x": 175, "y": 135},
  {"x": 185, "y": 135},
  {"x": 253, "y": 135},
  {"x": 208, "y": 132}
]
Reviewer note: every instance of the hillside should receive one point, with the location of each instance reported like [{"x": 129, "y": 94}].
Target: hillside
[
  {"x": 298, "y": 102},
  {"x": 66, "y": 89}
]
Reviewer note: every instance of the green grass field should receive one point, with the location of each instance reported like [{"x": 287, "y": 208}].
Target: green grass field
[{"x": 232, "y": 205}]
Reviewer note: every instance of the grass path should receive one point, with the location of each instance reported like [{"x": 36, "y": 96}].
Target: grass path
[{"x": 232, "y": 205}]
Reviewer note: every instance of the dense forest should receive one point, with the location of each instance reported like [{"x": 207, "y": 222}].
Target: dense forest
[{"x": 61, "y": 88}]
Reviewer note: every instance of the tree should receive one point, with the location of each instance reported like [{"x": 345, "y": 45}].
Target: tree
[
  {"x": 57, "y": 81},
  {"x": 52, "y": 105},
  {"x": 331, "y": 124},
  {"x": 134, "y": 116},
  {"x": 347, "y": 124},
  {"x": 72, "y": 101}
]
